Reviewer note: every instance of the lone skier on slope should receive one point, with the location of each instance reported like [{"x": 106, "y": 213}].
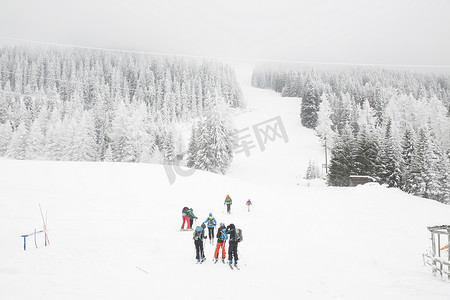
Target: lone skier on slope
[
  {"x": 192, "y": 217},
  {"x": 248, "y": 203},
  {"x": 186, "y": 219},
  {"x": 232, "y": 248},
  {"x": 221, "y": 240},
  {"x": 228, "y": 202},
  {"x": 199, "y": 235},
  {"x": 211, "y": 224}
]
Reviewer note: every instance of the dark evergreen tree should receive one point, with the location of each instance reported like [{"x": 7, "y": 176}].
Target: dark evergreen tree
[
  {"x": 407, "y": 145},
  {"x": 418, "y": 181},
  {"x": 310, "y": 106},
  {"x": 436, "y": 167},
  {"x": 390, "y": 159},
  {"x": 193, "y": 146},
  {"x": 367, "y": 154},
  {"x": 341, "y": 163}
]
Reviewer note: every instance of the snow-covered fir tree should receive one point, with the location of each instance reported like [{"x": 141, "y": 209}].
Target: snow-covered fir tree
[
  {"x": 419, "y": 176},
  {"x": 324, "y": 123},
  {"x": 342, "y": 158},
  {"x": 407, "y": 145},
  {"x": 313, "y": 171},
  {"x": 193, "y": 146},
  {"x": 19, "y": 143},
  {"x": 390, "y": 156},
  {"x": 212, "y": 142},
  {"x": 367, "y": 154},
  {"x": 310, "y": 106}
]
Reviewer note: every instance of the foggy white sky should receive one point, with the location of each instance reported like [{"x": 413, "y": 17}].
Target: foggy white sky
[{"x": 344, "y": 31}]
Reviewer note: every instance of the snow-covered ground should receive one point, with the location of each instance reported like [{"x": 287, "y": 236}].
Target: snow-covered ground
[{"x": 114, "y": 228}]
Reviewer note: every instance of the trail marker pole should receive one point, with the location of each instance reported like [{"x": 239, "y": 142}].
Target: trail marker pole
[{"x": 45, "y": 226}]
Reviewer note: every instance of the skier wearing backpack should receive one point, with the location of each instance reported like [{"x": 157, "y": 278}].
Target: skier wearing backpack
[
  {"x": 191, "y": 216},
  {"x": 228, "y": 202},
  {"x": 186, "y": 219},
  {"x": 235, "y": 238},
  {"x": 211, "y": 224},
  {"x": 199, "y": 235},
  {"x": 221, "y": 240},
  {"x": 248, "y": 203}
]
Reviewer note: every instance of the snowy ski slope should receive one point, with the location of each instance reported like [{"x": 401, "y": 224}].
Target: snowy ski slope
[{"x": 114, "y": 228}]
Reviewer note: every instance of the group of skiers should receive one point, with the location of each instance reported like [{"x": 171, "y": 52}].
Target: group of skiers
[
  {"x": 224, "y": 233},
  {"x": 228, "y": 203},
  {"x": 189, "y": 217}
]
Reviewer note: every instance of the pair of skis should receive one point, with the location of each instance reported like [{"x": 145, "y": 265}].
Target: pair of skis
[
  {"x": 231, "y": 266},
  {"x": 188, "y": 229},
  {"x": 215, "y": 261}
]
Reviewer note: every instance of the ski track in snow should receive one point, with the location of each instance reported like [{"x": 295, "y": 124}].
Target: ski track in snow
[
  {"x": 114, "y": 228},
  {"x": 302, "y": 146}
]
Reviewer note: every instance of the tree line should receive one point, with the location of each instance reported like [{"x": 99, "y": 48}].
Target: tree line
[{"x": 84, "y": 105}]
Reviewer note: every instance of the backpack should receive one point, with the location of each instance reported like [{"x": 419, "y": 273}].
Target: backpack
[
  {"x": 211, "y": 221},
  {"x": 239, "y": 237},
  {"x": 223, "y": 235},
  {"x": 185, "y": 209},
  {"x": 198, "y": 233}
]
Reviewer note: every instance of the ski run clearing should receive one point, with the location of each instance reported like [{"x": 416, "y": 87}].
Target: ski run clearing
[{"x": 114, "y": 228}]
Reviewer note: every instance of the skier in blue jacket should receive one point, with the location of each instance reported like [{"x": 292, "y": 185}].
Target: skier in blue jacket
[{"x": 211, "y": 222}]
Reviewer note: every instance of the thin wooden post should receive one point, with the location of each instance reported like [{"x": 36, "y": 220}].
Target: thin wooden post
[
  {"x": 35, "y": 240},
  {"x": 448, "y": 251},
  {"x": 46, "y": 237},
  {"x": 439, "y": 245},
  {"x": 433, "y": 248}
]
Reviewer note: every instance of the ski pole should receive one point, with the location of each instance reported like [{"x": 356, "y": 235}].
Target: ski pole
[
  {"x": 203, "y": 251},
  {"x": 240, "y": 257}
]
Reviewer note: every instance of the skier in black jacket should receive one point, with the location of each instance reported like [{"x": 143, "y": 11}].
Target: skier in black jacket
[
  {"x": 232, "y": 246},
  {"x": 199, "y": 236}
]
